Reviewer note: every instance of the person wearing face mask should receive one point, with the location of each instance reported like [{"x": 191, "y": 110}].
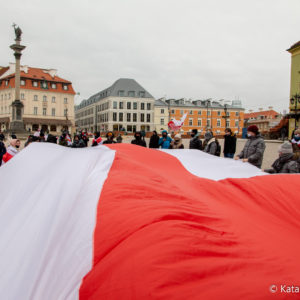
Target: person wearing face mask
[
  {"x": 165, "y": 140},
  {"x": 285, "y": 163},
  {"x": 195, "y": 142},
  {"x": 229, "y": 143},
  {"x": 211, "y": 145},
  {"x": 110, "y": 138},
  {"x": 138, "y": 139},
  {"x": 296, "y": 144},
  {"x": 154, "y": 140},
  {"x": 177, "y": 143},
  {"x": 12, "y": 150},
  {"x": 254, "y": 148}
]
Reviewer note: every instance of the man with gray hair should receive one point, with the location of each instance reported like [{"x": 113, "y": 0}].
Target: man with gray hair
[{"x": 211, "y": 144}]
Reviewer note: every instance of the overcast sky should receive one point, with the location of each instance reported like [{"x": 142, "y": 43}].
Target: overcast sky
[{"x": 194, "y": 48}]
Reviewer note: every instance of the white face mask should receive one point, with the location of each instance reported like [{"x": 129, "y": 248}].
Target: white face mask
[{"x": 249, "y": 134}]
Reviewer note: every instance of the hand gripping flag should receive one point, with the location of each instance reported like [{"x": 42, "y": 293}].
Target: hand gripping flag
[
  {"x": 176, "y": 124},
  {"x": 104, "y": 223}
]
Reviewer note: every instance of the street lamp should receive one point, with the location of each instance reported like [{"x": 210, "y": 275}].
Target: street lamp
[
  {"x": 294, "y": 101},
  {"x": 207, "y": 104},
  {"x": 226, "y": 115}
]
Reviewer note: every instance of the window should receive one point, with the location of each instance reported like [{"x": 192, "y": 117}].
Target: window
[
  {"x": 52, "y": 127},
  {"x": 208, "y": 112},
  {"x": 120, "y": 105},
  {"x": 134, "y": 105},
  {"x": 142, "y": 118},
  {"x": 44, "y": 98},
  {"x": 142, "y": 106},
  {"x": 134, "y": 117},
  {"x": 65, "y": 87},
  {"x": 228, "y": 114},
  {"x": 22, "y": 96},
  {"x": 115, "y": 105},
  {"x": 218, "y": 123},
  {"x": 35, "y": 83},
  {"x": 65, "y": 112},
  {"x": 236, "y": 123},
  {"x": 53, "y": 112},
  {"x": 128, "y": 117},
  {"x": 128, "y": 105},
  {"x": 129, "y": 128},
  {"x": 199, "y": 122},
  {"x": 6, "y": 82},
  {"x": 53, "y": 85},
  {"x": 191, "y": 112},
  {"x": 53, "y": 99},
  {"x": 162, "y": 121},
  {"x": 237, "y": 114},
  {"x": 131, "y": 94},
  {"x": 44, "y": 111},
  {"x": 227, "y": 123},
  {"x": 142, "y": 94},
  {"x": 148, "y": 106},
  {"x": 190, "y": 122},
  {"x": 199, "y": 112},
  {"x": 162, "y": 111},
  {"x": 121, "y": 117},
  {"x": 35, "y": 98},
  {"x": 148, "y": 118},
  {"x": 44, "y": 85},
  {"x": 114, "y": 116},
  {"x": 65, "y": 100},
  {"x": 121, "y": 93},
  {"x": 22, "y": 82},
  {"x": 181, "y": 112},
  {"x": 219, "y": 113},
  {"x": 35, "y": 110},
  {"x": 172, "y": 111},
  {"x": 208, "y": 123}
]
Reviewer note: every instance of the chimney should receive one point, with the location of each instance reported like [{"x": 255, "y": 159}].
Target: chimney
[
  {"x": 250, "y": 110},
  {"x": 260, "y": 109},
  {"x": 270, "y": 107}
]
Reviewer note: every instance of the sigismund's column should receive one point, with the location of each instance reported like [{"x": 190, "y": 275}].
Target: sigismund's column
[{"x": 17, "y": 124}]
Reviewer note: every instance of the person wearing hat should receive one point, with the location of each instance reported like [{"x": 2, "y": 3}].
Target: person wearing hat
[
  {"x": 285, "y": 163},
  {"x": 254, "y": 148},
  {"x": 138, "y": 140},
  {"x": 177, "y": 143},
  {"x": 296, "y": 144},
  {"x": 211, "y": 145},
  {"x": 110, "y": 138},
  {"x": 195, "y": 142},
  {"x": 12, "y": 150},
  {"x": 165, "y": 140}
]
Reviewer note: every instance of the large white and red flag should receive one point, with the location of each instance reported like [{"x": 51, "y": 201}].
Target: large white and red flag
[{"x": 125, "y": 222}]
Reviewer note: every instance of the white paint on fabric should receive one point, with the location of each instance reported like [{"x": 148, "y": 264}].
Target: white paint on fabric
[
  {"x": 48, "y": 203},
  {"x": 212, "y": 167}
]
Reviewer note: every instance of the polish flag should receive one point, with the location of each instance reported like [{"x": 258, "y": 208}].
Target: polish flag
[{"x": 126, "y": 222}]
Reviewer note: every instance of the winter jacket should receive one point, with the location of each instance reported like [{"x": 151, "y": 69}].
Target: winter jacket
[
  {"x": 139, "y": 142},
  {"x": 284, "y": 164},
  {"x": 210, "y": 146},
  {"x": 108, "y": 141},
  {"x": 154, "y": 141},
  {"x": 2, "y": 151},
  {"x": 296, "y": 149},
  {"x": 254, "y": 150},
  {"x": 229, "y": 143},
  {"x": 176, "y": 146},
  {"x": 78, "y": 144},
  {"x": 165, "y": 144},
  {"x": 196, "y": 143}
]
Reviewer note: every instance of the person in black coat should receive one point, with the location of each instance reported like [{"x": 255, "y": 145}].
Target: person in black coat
[
  {"x": 195, "y": 142},
  {"x": 2, "y": 149},
  {"x": 154, "y": 140},
  {"x": 229, "y": 143},
  {"x": 110, "y": 138},
  {"x": 138, "y": 140}
]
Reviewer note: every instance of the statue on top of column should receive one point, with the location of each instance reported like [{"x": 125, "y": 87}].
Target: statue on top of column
[{"x": 18, "y": 32}]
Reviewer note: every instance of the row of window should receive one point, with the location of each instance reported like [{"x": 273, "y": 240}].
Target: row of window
[
  {"x": 191, "y": 112},
  {"x": 122, "y": 93},
  {"x": 84, "y": 113},
  {"x": 43, "y": 84},
  {"x": 35, "y": 98},
  {"x": 208, "y": 122},
  {"x": 5, "y": 96},
  {"x": 131, "y": 117},
  {"x": 101, "y": 107},
  {"x": 53, "y": 111},
  {"x": 131, "y": 105}
]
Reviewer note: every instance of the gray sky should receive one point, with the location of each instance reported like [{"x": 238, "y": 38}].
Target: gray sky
[{"x": 194, "y": 48}]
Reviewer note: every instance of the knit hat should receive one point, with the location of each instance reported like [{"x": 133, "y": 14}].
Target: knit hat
[
  {"x": 177, "y": 136},
  {"x": 286, "y": 147},
  {"x": 297, "y": 131},
  {"x": 208, "y": 135},
  {"x": 253, "y": 128}
]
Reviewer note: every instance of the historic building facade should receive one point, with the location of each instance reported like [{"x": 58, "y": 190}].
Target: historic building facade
[
  {"x": 48, "y": 99},
  {"x": 201, "y": 114},
  {"x": 124, "y": 106},
  {"x": 294, "y": 103}
]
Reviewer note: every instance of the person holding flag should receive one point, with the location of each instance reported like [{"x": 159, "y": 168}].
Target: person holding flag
[{"x": 97, "y": 140}]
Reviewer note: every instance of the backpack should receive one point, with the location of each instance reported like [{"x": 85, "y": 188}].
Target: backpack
[{"x": 218, "y": 151}]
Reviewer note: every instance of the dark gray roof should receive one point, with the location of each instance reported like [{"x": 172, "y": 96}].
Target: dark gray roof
[{"x": 125, "y": 85}]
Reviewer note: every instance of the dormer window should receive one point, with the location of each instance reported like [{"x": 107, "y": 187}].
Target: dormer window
[
  {"x": 131, "y": 94},
  {"x": 35, "y": 83},
  {"x": 121, "y": 93},
  {"x": 22, "y": 82},
  {"x": 44, "y": 85},
  {"x": 6, "y": 82},
  {"x": 65, "y": 87},
  {"x": 142, "y": 94},
  {"x": 53, "y": 85}
]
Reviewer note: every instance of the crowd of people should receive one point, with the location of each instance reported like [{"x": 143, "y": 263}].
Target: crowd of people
[{"x": 288, "y": 160}]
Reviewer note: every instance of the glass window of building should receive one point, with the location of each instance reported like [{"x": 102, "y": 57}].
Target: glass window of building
[
  {"x": 35, "y": 97},
  {"x": 65, "y": 112},
  {"x": 22, "y": 82},
  {"x": 44, "y": 85},
  {"x": 53, "y": 99},
  {"x": 121, "y": 93},
  {"x": 208, "y": 122},
  {"x": 199, "y": 112},
  {"x": 237, "y": 114},
  {"x": 114, "y": 116},
  {"x": 148, "y": 106},
  {"x": 142, "y": 118},
  {"x": 236, "y": 123},
  {"x": 65, "y": 100},
  {"x": 131, "y": 94},
  {"x": 6, "y": 82},
  {"x": 199, "y": 122},
  {"x": 35, "y": 83},
  {"x": 65, "y": 87},
  {"x": 135, "y": 105},
  {"x": 134, "y": 117},
  {"x": 208, "y": 112},
  {"x": 121, "y": 117},
  {"x": 219, "y": 113},
  {"x": 190, "y": 122},
  {"x": 227, "y": 123},
  {"x": 142, "y": 106},
  {"x": 53, "y": 112},
  {"x": 115, "y": 105},
  {"x": 121, "y": 105},
  {"x": 162, "y": 111},
  {"x": 218, "y": 123},
  {"x": 22, "y": 96},
  {"x": 172, "y": 111},
  {"x": 44, "y": 111},
  {"x": 45, "y": 98},
  {"x": 128, "y": 105},
  {"x": 162, "y": 121},
  {"x": 129, "y": 128},
  {"x": 191, "y": 112},
  {"x": 142, "y": 94},
  {"x": 129, "y": 117},
  {"x": 148, "y": 118},
  {"x": 35, "y": 110},
  {"x": 181, "y": 112},
  {"x": 53, "y": 85}
]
